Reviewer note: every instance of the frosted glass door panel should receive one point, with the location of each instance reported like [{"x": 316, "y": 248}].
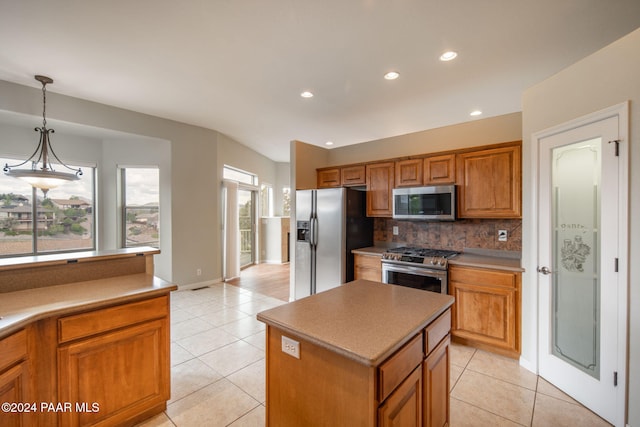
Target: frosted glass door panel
[{"x": 576, "y": 183}]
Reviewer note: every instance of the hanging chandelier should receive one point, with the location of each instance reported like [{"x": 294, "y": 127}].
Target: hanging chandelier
[{"x": 42, "y": 175}]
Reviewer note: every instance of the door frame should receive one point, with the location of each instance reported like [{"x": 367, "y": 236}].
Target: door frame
[{"x": 622, "y": 112}]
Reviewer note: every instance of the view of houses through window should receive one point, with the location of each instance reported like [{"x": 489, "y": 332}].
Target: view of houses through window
[
  {"x": 141, "y": 204},
  {"x": 31, "y": 223}
]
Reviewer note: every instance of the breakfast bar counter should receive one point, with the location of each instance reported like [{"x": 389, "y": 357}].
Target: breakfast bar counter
[
  {"x": 359, "y": 354},
  {"x": 86, "y": 332}
]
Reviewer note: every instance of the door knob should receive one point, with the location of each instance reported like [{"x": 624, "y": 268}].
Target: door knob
[{"x": 544, "y": 270}]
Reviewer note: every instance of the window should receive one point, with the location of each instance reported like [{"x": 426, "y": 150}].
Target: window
[
  {"x": 31, "y": 224},
  {"x": 141, "y": 207},
  {"x": 240, "y": 176},
  {"x": 266, "y": 200},
  {"x": 286, "y": 201}
]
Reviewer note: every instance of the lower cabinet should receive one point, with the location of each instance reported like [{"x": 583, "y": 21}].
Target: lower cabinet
[
  {"x": 404, "y": 406},
  {"x": 118, "y": 370},
  {"x": 14, "y": 381},
  {"x": 367, "y": 267},
  {"x": 435, "y": 371},
  {"x": 486, "y": 312}
]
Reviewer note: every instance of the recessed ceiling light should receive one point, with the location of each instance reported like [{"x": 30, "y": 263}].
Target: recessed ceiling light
[
  {"x": 392, "y": 75},
  {"x": 306, "y": 94},
  {"x": 475, "y": 113},
  {"x": 448, "y": 56},
  {"x": 328, "y": 143}
]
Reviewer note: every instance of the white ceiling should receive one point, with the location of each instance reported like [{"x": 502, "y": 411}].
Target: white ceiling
[{"x": 238, "y": 66}]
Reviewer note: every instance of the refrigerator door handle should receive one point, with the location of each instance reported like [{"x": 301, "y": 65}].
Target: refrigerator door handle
[{"x": 314, "y": 231}]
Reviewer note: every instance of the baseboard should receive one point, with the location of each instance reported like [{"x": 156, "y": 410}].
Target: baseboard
[{"x": 189, "y": 286}]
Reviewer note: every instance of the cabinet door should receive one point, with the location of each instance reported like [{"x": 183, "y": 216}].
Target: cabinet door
[
  {"x": 435, "y": 381},
  {"x": 328, "y": 178},
  {"x": 380, "y": 180},
  {"x": 490, "y": 183},
  {"x": 440, "y": 170},
  {"x": 403, "y": 408},
  {"x": 485, "y": 313},
  {"x": 125, "y": 373},
  {"x": 353, "y": 175},
  {"x": 14, "y": 388},
  {"x": 367, "y": 267},
  {"x": 409, "y": 173}
]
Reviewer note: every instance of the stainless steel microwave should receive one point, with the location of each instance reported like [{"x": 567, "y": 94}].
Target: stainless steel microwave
[{"x": 436, "y": 203}]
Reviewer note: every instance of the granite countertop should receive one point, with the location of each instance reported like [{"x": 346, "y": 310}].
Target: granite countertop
[
  {"x": 480, "y": 258},
  {"x": 363, "y": 320},
  {"x": 20, "y": 308},
  {"x": 486, "y": 258}
]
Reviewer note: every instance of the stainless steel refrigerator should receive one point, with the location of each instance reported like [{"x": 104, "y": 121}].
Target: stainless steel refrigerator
[{"x": 329, "y": 224}]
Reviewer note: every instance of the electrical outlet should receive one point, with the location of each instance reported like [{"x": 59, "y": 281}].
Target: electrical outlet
[
  {"x": 502, "y": 235},
  {"x": 291, "y": 347},
  {"x": 198, "y": 272},
  {"x": 395, "y": 230}
]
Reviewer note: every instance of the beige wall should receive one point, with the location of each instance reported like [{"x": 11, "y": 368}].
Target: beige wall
[
  {"x": 492, "y": 130},
  {"x": 604, "y": 79},
  {"x": 194, "y": 173},
  {"x": 305, "y": 159}
]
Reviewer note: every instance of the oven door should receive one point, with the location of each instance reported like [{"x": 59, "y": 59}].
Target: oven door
[{"x": 417, "y": 277}]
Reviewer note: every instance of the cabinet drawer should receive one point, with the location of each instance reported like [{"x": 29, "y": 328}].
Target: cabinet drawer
[
  {"x": 367, "y": 261},
  {"x": 482, "y": 277},
  {"x": 12, "y": 349},
  {"x": 436, "y": 331},
  {"x": 98, "y": 321},
  {"x": 395, "y": 369}
]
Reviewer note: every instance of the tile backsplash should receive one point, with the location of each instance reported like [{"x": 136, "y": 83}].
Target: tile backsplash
[{"x": 457, "y": 235}]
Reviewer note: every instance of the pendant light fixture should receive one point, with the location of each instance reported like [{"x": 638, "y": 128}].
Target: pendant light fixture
[{"x": 42, "y": 175}]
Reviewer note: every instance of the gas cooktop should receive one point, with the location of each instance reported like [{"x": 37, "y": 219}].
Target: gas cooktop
[{"x": 434, "y": 258}]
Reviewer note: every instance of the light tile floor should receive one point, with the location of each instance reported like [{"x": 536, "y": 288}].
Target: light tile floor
[{"x": 218, "y": 372}]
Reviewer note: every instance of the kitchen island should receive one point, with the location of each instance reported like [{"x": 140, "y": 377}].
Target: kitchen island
[
  {"x": 361, "y": 354},
  {"x": 84, "y": 339}
]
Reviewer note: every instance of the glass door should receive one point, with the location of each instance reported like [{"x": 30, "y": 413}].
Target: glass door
[
  {"x": 246, "y": 222},
  {"x": 579, "y": 285}
]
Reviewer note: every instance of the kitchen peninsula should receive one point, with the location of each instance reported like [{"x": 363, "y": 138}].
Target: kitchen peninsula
[
  {"x": 361, "y": 354},
  {"x": 87, "y": 335}
]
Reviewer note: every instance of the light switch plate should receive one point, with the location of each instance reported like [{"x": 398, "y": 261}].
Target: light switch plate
[
  {"x": 502, "y": 235},
  {"x": 395, "y": 230},
  {"x": 291, "y": 347}
]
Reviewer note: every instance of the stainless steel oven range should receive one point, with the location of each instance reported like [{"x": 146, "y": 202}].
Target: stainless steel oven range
[{"x": 418, "y": 268}]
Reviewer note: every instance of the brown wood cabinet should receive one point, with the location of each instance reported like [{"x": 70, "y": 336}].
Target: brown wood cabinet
[
  {"x": 380, "y": 182},
  {"x": 440, "y": 170},
  {"x": 368, "y": 267},
  {"x": 322, "y": 387},
  {"x": 125, "y": 349},
  {"x": 489, "y": 183},
  {"x": 486, "y": 312},
  {"x": 353, "y": 175},
  {"x": 328, "y": 178},
  {"x": 409, "y": 173},
  {"x": 15, "y": 386}
]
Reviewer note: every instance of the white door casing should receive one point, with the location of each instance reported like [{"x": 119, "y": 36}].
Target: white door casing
[{"x": 582, "y": 237}]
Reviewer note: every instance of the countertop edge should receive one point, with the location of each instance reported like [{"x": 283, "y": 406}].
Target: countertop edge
[
  {"x": 494, "y": 263},
  {"x": 349, "y": 354},
  {"x": 26, "y": 318}
]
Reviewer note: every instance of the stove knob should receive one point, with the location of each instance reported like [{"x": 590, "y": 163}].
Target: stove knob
[
  {"x": 443, "y": 261},
  {"x": 434, "y": 261}
]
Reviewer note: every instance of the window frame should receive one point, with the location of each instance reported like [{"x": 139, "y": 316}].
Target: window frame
[{"x": 122, "y": 189}]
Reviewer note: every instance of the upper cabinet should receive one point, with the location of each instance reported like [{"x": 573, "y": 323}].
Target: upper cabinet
[
  {"x": 489, "y": 183},
  {"x": 353, "y": 175},
  {"x": 439, "y": 170},
  {"x": 380, "y": 181},
  {"x": 328, "y": 178},
  {"x": 408, "y": 173}
]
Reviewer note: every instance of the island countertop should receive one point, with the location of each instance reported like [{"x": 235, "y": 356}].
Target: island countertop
[{"x": 362, "y": 320}]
